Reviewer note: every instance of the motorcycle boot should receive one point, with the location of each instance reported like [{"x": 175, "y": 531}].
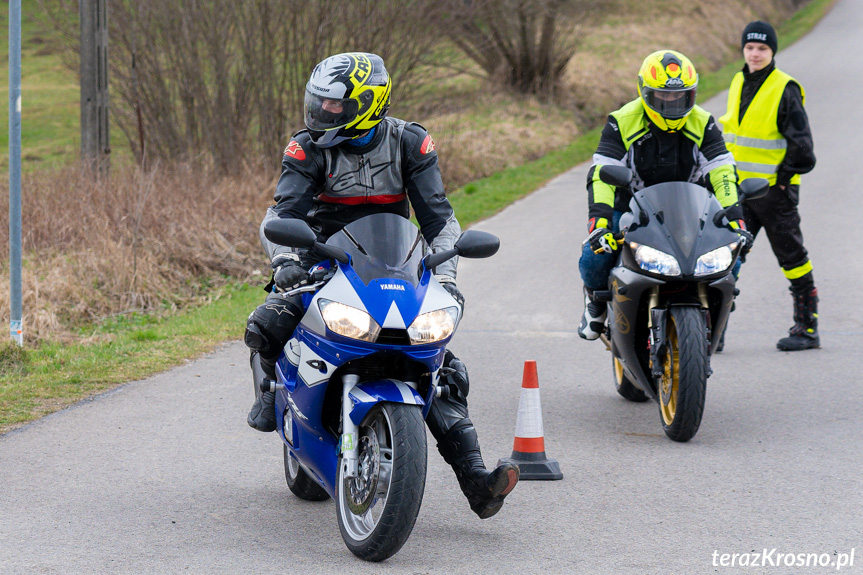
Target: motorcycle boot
[
  {"x": 593, "y": 321},
  {"x": 262, "y": 416},
  {"x": 458, "y": 443},
  {"x": 804, "y": 333},
  {"x": 485, "y": 490}
]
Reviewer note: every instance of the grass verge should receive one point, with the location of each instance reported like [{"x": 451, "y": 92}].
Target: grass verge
[{"x": 35, "y": 382}]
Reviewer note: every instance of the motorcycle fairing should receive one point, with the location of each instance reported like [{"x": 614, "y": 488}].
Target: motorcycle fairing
[
  {"x": 672, "y": 207},
  {"x": 627, "y": 289}
]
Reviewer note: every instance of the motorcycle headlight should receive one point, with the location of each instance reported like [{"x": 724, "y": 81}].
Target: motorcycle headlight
[
  {"x": 654, "y": 261},
  {"x": 714, "y": 261},
  {"x": 433, "y": 326},
  {"x": 348, "y": 321}
]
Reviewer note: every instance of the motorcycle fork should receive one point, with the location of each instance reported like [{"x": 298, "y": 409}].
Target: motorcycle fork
[
  {"x": 656, "y": 324},
  {"x": 348, "y": 443}
]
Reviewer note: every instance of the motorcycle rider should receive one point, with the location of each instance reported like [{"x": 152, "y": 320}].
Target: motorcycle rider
[
  {"x": 662, "y": 136},
  {"x": 353, "y": 161},
  {"x": 768, "y": 133}
]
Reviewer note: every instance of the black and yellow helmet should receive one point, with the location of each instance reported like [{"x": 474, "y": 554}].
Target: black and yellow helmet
[
  {"x": 346, "y": 96},
  {"x": 667, "y": 82}
]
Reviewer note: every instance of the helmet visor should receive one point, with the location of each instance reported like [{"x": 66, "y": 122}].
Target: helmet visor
[
  {"x": 322, "y": 113},
  {"x": 670, "y": 104}
]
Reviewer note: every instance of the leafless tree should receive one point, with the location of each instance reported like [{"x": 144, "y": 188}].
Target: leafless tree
[{"x": 522, "y": 44}]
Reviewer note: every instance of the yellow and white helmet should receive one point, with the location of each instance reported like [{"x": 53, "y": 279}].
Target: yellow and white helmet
[
  {"x": 346, "y": 96},
  {"x": 667, "y": 82}
]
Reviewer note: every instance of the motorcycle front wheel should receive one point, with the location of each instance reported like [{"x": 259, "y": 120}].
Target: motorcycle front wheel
[
  {"x": 683, "y": 385},
  {"x": 378, "y": 508}
]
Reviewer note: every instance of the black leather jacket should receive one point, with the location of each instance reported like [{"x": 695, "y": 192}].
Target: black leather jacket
[{"x": 396, "y": 171}]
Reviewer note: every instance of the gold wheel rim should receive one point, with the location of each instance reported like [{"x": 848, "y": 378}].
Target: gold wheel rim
[{"x": 668, "y": 386}]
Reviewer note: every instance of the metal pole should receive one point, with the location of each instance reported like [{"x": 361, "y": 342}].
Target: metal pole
[{"x": 15, "y": 325}]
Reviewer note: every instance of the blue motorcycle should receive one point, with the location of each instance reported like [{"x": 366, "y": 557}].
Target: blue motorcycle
[{"x": 357, "y": 378}]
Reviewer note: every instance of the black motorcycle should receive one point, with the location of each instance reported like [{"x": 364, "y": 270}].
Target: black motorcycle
[{"x": 670, "y": 294}]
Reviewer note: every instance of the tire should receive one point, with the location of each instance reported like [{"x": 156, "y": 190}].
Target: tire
[
  {"x": 377, "y": 510},
  {"x": 683, "y": 385},
  {"x": 624, "y": 387},
  {"x": 299, "y": 481}
]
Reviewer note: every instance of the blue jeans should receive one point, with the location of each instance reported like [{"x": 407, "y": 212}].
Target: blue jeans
[{"x": 595, "y": 268}]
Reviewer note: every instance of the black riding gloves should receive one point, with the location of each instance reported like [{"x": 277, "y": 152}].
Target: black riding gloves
[
  {"x": 288, "y": 273},
  {"x": 448, "y": 284}
]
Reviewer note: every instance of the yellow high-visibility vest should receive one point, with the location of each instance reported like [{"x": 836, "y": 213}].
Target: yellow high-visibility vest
[{"x": 756, "y": 143}]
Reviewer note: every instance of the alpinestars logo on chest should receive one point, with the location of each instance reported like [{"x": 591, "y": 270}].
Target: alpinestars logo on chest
[{"x": 350, "y": 179}]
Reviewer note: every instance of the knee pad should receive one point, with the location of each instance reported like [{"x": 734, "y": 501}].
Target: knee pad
[{"x": 270, "y": 327}]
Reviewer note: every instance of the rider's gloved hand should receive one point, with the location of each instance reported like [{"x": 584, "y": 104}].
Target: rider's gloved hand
[
  {"x": 747, "y": 238},
  {"x": 288, "y": 273},
  {"x": 601, "y": 239},
  {"x": 448, "y": 284}
]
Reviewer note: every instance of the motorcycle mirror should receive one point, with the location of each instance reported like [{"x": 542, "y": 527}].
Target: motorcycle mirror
[
  {"x": 290, "y": 232},
  {"x": 297, "y": 234},
  {"x": 471, "y": 244},
  {"x": 477, "y": 244},
  {"x": 618, "y": 176},
  {"x": 752, "y": 189}
]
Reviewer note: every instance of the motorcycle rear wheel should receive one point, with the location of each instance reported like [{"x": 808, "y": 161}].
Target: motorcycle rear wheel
[
  {"x": 683, "y": 385},
  {"x": 299, "y": 481},
  {"x": 378, "y": 509},
  {"x": 624, "y": 387}
]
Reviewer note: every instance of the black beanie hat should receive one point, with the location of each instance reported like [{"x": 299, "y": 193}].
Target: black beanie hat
[{"x": 759, "y": 31}]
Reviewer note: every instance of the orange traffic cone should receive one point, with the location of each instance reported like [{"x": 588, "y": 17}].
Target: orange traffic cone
[{"x": 528, "y": 450}]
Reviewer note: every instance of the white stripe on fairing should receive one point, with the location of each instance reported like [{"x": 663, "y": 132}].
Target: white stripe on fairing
[
  {"x": 394, "y": 318},
  {"x": 361, "y": 396},
  {"x": 407, "y": 394}
]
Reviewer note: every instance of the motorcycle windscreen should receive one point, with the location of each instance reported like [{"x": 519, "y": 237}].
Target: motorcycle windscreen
[
  {"x": 382, "y": 246},
  {"x": 679, "y": 206}
]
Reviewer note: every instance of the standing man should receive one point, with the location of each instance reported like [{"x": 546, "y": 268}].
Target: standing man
[{"x": 767, "y": 131}]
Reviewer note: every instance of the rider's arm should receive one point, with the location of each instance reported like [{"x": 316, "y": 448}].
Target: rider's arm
[
  {"x": 793, "y": 124},
  {"x": 600, "y": 196},
  {"x": 424, "y": 186},
  {"x": 717, "y": 163},
  {"x": 302, "y": 172}
]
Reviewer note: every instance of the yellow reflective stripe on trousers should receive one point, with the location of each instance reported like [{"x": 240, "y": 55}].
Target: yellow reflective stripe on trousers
[{"x": 799, "y": 271}]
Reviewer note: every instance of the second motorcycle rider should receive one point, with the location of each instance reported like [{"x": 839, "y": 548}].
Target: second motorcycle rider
[
  {"x": 662, "y": 136},
  {"x": 354, "y": 161}
]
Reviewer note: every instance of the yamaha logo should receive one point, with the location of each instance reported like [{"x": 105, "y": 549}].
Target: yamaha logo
[{"x": 396, "y": 287}]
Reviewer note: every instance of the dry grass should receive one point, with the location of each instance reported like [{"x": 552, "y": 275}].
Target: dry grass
[{"x": 132, "y": 242}]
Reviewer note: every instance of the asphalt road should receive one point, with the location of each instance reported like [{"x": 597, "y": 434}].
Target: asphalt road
[{"x": 164, "y": 476}]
